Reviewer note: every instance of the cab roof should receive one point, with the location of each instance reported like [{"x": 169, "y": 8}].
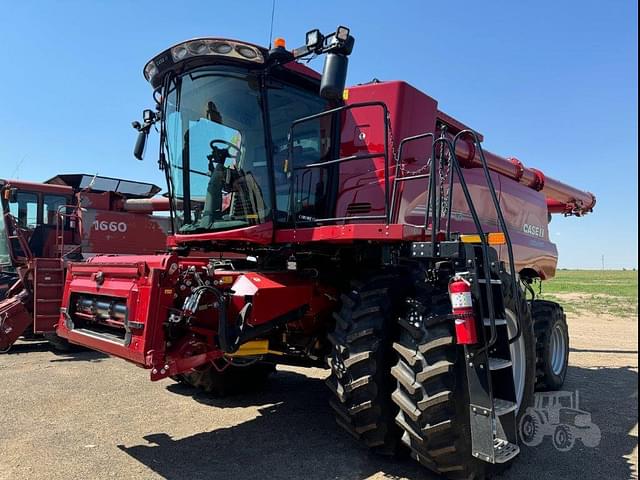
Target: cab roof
[{"x": 127, "y": 188}]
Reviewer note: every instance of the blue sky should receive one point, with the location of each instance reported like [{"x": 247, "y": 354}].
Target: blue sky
[{"x": 553, "y": 83}]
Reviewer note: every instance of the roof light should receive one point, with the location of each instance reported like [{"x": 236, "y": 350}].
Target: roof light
[
  {"x": 221, "y": 48},
  {"x": 313, "y": 38},
  {"x": 280, "y": 43},
  {"x": 246, "y": 52},
  {"x": 342, "y": 33},
  {"x": 198, "y": 48},
  {"x": 179, "y": 52},
  {"x": 150, "y": 70}
]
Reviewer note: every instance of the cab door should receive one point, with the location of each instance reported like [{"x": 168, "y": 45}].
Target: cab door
[{"x": 24, "y": 217}]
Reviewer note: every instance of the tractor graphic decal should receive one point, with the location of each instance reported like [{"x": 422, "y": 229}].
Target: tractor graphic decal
[{"x": 558, "y": 415}]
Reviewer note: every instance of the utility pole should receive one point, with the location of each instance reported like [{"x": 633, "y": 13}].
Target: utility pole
[{"x": 603, "y": 262}]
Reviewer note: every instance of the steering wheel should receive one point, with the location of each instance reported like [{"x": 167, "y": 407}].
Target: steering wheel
[{"x": 228, "y": 144}]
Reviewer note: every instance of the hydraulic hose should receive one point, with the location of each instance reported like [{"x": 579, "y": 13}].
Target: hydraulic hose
[{"x": 229, "y": 340}]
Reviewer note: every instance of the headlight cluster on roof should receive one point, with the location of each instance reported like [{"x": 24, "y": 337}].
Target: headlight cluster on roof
[{"x": 203, "y": 47}]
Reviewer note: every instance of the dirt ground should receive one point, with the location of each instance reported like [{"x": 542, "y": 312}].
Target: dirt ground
[{"x": 87, "y": 416}]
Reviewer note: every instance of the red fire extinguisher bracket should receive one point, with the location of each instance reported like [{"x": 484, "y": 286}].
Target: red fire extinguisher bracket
[{"x": 462, "y": 306}]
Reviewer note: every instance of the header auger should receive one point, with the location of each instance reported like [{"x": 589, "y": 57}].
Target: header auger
[{"x": 359, "y": 228}]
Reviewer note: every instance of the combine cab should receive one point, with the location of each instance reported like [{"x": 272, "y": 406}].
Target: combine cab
[
  {"x": 361, "y": 228},
  {"x": 69, "y": 217}
]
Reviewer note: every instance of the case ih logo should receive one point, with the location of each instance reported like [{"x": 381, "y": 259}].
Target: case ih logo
[
  {"x": 534, "y": 230},
  {"x": 104, "y": 226}
]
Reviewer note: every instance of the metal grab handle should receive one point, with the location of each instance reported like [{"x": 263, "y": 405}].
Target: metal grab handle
[
  {"x": 61, "y": 214},
  {"x": 503, "y": 223},
  {"x": 447, "y": 144},
  {"x": 385, "y": 154},
  {"x": 396, "y": 179}
]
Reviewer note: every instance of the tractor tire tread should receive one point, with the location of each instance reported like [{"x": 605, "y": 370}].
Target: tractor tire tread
[{"x": 360, "y": 362}]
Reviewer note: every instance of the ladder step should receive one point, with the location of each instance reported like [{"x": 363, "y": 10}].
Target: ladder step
[
  {"x": 493, "y": 281},
  {"x": 502, "y": 406},
  {"x": 504, "y": 450},
  {"x": 498, "y": 363},
  {"x": 499, "y": 321}
]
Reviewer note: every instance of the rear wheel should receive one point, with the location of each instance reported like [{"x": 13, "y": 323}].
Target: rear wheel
[
  {"x": 361, "y": 359},
  {"x": 233, "y": 379},
  {"x": 552, "y": 344},
  {"x": 432, "y": 387}
]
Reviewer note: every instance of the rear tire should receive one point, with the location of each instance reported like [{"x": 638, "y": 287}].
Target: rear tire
[
  {"x": 360, "y": 362},
  {"x": 432, "y": 387},
  {"x": 552, "y": 344},
  {"x": 231, "y": 380}
]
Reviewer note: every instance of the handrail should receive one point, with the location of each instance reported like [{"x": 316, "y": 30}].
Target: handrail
[
  {"x": 14, "y": 232},
  {"x": 432, "y": 205},
  {"x": 61, "y": 214},
  {"x": 397, "y": 179},
  {"x": 384, "y": 154},
  {"x": 446, "y": 142},
  {"x": 503, "y": 223}
]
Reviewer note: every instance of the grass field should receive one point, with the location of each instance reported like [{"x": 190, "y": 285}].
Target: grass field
[{"x": 613, "y": 292}]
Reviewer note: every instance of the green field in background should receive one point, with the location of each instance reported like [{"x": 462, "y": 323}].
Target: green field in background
[{"x": 600, "y": 291}]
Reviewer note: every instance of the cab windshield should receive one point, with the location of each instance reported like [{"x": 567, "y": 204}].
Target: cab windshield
[
  {"x": 219, "y": 166},
  {"x": 216, "y": 148}
]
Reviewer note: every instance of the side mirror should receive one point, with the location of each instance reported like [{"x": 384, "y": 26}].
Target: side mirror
[
  {"x": 141, "y": 144},
  {"x": 149, "y": 117},
  {"x": 334, "y": 76}
]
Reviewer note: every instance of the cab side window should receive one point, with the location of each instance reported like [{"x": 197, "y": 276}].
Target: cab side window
[
  {"x": 52, "y": 205},
  {"x": 25, "y": 209},
  {"x": 311, "y": 144}
]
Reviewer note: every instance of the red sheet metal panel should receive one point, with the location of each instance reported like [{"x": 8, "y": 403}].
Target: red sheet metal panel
[
  {"x": 48, "y": 286},
  {"x": 14, "y": 319}
]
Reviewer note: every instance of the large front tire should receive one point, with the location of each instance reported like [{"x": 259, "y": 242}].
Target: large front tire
[{"x": 360, "y": 362}]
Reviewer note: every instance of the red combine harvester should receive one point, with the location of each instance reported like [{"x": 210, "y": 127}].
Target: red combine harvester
[
  {"x": 69, "y": 217},
  {"x": 369, "y": 231}
]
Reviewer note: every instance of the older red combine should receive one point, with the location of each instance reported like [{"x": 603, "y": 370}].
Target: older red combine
[
  {"x": 358, "y": 228},
  {"x": 69, "y": 217}
]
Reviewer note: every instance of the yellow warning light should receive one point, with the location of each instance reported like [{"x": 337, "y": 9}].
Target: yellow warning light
[
  {"x": 493, "y": 238},
  {"x": 345, "y": 94},
  {"x": 280, "y": 43}
]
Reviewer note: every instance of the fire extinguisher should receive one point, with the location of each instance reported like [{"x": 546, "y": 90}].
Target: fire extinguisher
[{"x": 462, "y": 303}]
